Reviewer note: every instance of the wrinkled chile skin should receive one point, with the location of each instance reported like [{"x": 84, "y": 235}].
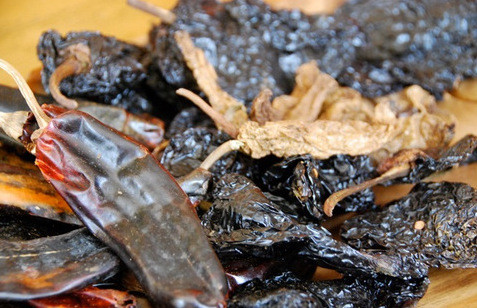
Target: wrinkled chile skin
[{"x": 127, "y": 199}]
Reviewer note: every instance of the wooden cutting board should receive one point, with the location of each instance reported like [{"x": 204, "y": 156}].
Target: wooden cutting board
[{"x": 22, "y": 22}]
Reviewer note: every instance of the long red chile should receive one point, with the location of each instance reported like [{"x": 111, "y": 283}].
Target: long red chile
[{"x": 128, "y": 200}]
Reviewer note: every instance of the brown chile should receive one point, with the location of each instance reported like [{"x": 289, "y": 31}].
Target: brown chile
[{"x": 127, "y": 199}]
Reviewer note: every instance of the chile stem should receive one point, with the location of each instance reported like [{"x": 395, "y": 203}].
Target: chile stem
[
  {"x": 40, "y": 116},
  {"x": 68, "y": 68},
  {"x": 218, "y": 118},
  {"x": 336, "y": 197},
  {"x": 166, "y": 16},
  {"x": 223, "y": 149}
]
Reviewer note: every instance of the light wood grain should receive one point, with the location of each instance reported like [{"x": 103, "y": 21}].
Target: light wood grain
[{"x": 22, "y": 22}]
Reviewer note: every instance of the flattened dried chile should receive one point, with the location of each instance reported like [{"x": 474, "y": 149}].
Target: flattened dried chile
[
  {"x": 242, "y": 221},
  {"x": 117, "y": 75},
  {"x": 435, "y": 223},
  {"x": 41, "y": 257},
  {"x": 309, "y": 182},
  {"x": 288, "y": 291},
  {"x": 430, "y": 43}
]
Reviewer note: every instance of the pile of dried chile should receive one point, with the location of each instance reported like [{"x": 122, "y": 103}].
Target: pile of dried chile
[
  {"x": 263, "y": 218},
  {"x": 430, "y": 43}
]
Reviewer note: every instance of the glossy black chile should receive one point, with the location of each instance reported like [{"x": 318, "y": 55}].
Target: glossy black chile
[{"x": 435, "y": 223}]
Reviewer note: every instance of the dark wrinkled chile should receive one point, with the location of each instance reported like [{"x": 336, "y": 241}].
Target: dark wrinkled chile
[
  {"x": 243, "y": 221},
  {"x": 188, "y": 118},
  {"x": 430, "y": 43},
  {"x": 462, "y": 152},
  {"x": 117, "y": 74},
  {"x": 448, "y": 239},
  {"x": 187, "y": 150},
  {"x": 126, "y": 198},
  {"x": 309, "y": 182},
  {"x": 47, "y": 266},
  {"x": 288, "y": 291}
]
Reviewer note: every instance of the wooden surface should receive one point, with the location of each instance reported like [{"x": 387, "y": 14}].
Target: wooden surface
[{"x": 23, "y": 21}]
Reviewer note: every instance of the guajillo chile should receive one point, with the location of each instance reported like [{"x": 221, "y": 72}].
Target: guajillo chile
[{"x": 129, "y": 201}]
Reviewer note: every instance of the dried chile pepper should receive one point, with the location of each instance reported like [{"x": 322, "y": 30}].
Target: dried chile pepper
[
  {"x": 18, "y": 225},
  {"x": 146, "y": 129},
  {"x": 90, "y": 297},
  {"x": 123, "y": 173},
  {"x": 41, "y": 257},
  {"x": 52, "y": 265},
  {"x": 415, "y": 45},
  {"x": 309, "y": 182},
  {"x": 129, "y": 201},
  {"x": 286, "y": 290},
  {"x": 242, "y": 221},
  {"x": 23, "y": 186},
  {"x": 410, "y": 166},
  {"x": 424, "y": 164},
  {"x": 117, "y": 75},
  {"x": 434, "y": 223}
]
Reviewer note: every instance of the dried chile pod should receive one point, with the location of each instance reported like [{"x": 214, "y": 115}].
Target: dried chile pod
[
  {"x": 186, "y": 152},
  {"x": 18, "y": 225},
  {"x": 463, "y": 152},
  {"x": 127, "y": 199},
  {"x": 147, "y": 130},
  {"x": 89, "y": 297},
  {"x": 51, "y": 265},
  {"x": 418, "y": 43},
  {"x": 287, "y": 290},
  {"x": 243, "y": 221},
  {"x": 117, "y": 75},
  {"x": 242, "y": 269},
  {"x": 308, "y": 182},
  {"x": 435, "y": 223},
  {"x": 23, "y": 186}
]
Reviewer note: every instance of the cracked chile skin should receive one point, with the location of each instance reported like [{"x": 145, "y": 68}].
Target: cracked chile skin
[
  {"x": 448, "y": 239},
  {"x": 129, "y": 201},
  {"x": 376, "y": 47}
]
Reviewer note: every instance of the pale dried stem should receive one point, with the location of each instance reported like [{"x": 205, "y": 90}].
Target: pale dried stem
[
  {"x": 393, "y": 173},
  {"x": 68, "y": 68},
  {"x": 166, "y": 16},
  {"x": 207, "y": 80},
  {"x": 217, "y": 117},
  {"x": 223, "y": 149},
  {"x": 40, "y": 116}
]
